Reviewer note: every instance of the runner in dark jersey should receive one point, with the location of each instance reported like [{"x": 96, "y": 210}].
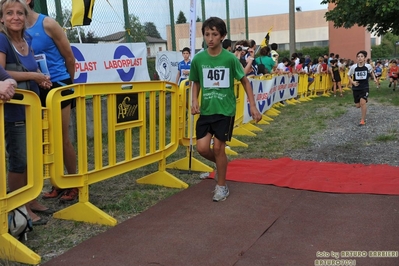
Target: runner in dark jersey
[{"x": 359, "y": 75}]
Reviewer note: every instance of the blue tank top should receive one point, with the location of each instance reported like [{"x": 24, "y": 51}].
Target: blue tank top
[{"x": 44, "y": 44}]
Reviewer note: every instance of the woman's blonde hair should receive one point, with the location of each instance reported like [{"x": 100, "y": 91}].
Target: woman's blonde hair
[{"x": 4, "y": 3}]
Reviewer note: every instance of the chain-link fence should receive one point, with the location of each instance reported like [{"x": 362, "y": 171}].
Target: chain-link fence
[{"x": 142, "y": 18}]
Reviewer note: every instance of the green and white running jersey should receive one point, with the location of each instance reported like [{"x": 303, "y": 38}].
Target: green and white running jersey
[{"x": 216, "y": 76}]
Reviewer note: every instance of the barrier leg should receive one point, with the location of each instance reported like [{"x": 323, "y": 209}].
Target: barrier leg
[
  {"x": 236, "y": 143},
  {"x": 290, "y": 101},
  {"x": 267, "y": 118},
  {"x": 251, "y": 127},
  {"x": 275, "y": 110},
  {"x": 162, "y": 178},
  {"x": 302, "y": 98},
  {"x": 84, "y": 211},
  {"x": 272, "y": 112},
  {"x": 263, "y": 122},
  {"x": 240, "y": 131},
  {"x": 13, "y": 250},
  {"x": 184, "y": 164}
]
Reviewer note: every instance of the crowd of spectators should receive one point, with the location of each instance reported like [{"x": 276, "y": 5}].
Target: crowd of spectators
[{"x": 258, "y": 61}]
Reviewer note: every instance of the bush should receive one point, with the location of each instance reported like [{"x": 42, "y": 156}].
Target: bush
[{"x": 151, "y": 69}]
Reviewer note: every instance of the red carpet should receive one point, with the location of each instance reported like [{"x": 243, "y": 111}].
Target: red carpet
[{"x": 317, "y": 176}]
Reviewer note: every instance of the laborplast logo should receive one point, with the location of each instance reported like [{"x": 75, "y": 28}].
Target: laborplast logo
[
  {"x": 281, "y": 86},
  {"x": 79, "y": 59},
  {"x": 124, "y": 63},
  {"x": 261, "y": 96},
  {"x": 293, "y": 85}
]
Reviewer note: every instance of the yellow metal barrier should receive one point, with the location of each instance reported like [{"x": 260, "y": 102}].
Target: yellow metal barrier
[
  {"x": 187, "y": 137},
  {"x": 10, "y": 248},
  {"x": 303, "y": 87},
  {"x": 136, "y": 114},
  {"x": 239, "y": 127},
  {"x": 384, "y": 73},
  {"x": 324, "y": 84},
  {"x": 344, "y": 80},
  {"x": 311, "y": 88}
]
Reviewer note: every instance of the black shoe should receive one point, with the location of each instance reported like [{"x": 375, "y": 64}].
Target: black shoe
[
  {"x": 390, "y": 84},
  {"x": 41, "y": 221}
]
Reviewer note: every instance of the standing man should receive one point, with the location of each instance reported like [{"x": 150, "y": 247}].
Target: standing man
[
  {"x": 359, "y": 75},
  {"x": 183, "y": 68},
  {"x": 213, "y": 72},
  {"x": 49, "y": 38}
]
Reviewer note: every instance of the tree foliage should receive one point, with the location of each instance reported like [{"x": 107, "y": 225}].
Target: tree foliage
[
  {"x": 376, "y": 15},
  {"x": 181, "y": 19},
  {"x": 90, "y": 37},
  {"x": 137, "y": 31},
  {"x": 387, "y": 48},
  {"x": 74, "y": 34},
  {"x": 151, "y": 30}
]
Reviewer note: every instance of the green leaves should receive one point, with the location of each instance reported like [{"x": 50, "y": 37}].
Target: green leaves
[{"x": 377, "y": 16}]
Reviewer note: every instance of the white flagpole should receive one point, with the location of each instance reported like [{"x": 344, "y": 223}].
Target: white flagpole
[{"x": 193, "y": 28}]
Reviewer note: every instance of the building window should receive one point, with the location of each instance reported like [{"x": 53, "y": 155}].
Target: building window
[
  {"x": 160, "y": 48},
  {"x": 148, "y": 51}
]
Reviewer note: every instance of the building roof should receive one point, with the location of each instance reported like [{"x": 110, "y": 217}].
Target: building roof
[{"x": 118, "y": 36}]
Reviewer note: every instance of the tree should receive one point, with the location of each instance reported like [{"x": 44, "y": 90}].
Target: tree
[
  {"x": 377, "y": 16},
  {"x": 136, "y": 31},
  {"x": 73, "y": 33},
  {"x": 198, "y": 19},
  {"x": 151, "y": 30},
  {"x": 90, "y": 37},
  {"x": 387, "y": 48},
  {"x": 181, "y": 19}
]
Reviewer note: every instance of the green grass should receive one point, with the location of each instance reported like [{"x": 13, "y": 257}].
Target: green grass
[
  {"x": 294, "y": 127},
  {"x": 385, "y": 138},
  {"x": 392, "y": 136},
  {"x": 384, "y": 94}
]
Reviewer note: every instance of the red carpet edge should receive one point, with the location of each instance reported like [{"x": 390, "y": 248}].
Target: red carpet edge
[{"x": 317, "y": 176}]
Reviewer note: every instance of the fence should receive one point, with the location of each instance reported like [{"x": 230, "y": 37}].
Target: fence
[
  {"x": 141, "y": 18},
  {"x": 10, "y": 247}
]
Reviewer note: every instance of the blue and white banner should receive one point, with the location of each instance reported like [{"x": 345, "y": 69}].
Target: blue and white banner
[
  {"x": 166, "y": 65},
  {"x": 269, "y": 92},
  {"x": 110, "y": 62}
]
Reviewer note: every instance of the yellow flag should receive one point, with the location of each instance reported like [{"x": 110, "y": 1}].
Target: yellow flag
[
  {"x": 265, "y": 41},
  {"x": 82, "y": 11}
]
